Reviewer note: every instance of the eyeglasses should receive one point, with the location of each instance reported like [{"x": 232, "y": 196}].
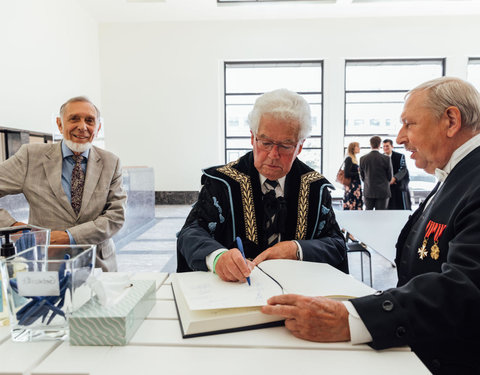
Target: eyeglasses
[{"x": 283, "y": 148}]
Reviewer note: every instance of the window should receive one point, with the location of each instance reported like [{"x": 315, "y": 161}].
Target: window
[
  {"x": 246, "y": 81},
  {"x": 473, "y": 72},
  {"x": 374, "y": 96}
]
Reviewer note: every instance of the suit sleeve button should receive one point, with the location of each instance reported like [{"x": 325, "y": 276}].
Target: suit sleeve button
[
  {"x": 387, "y": 305},
  {"x": 401, "y": 331}
]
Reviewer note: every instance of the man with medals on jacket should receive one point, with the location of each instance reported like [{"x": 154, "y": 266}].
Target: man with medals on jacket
[{"x": 435, "y": 307}]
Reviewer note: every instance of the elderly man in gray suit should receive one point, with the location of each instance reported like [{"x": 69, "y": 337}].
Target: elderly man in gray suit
[
  {"x": 376, "y": 172},
  {"x": 73, "y": 188}
]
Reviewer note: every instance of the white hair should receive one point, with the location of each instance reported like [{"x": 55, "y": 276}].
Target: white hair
[
  {"x": 282, "y": 104},
  {"x": 444, "y": 92}
]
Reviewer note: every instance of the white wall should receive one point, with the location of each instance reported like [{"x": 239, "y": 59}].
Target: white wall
[
  {"x": 162, "y": 83},
  {"x": 48, "y": 53}
]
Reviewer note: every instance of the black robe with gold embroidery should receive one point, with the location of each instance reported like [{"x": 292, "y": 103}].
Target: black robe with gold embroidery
[{"x": 230, "y": 205}]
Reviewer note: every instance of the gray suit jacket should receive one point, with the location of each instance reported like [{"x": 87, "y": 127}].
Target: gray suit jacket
[
  {"x": 376, "y": 173},
  {"x": 36, "y": 171}
]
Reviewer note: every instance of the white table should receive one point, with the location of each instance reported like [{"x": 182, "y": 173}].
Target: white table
[
  {"x": 379, "y": 230},
  {"x": 158, "y": 347}
]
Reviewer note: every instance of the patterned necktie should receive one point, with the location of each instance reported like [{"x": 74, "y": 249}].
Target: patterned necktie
[
  {"x": 271, "y": 232},
  {"x": 78, "y": 180}
]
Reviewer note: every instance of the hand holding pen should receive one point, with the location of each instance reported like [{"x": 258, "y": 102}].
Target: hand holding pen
[
  {"x": 240, "y": 247},
  {"x": 231, "y": 265}
]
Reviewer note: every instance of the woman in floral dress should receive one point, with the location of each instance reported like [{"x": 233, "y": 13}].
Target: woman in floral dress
[{"x": 352, "y": 199}]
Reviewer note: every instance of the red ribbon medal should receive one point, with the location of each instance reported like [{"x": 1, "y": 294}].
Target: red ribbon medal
[{"x": 435, "y": 250}]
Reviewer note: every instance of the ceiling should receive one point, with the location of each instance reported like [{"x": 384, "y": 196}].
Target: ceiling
[{"x": 189, "y": 10}]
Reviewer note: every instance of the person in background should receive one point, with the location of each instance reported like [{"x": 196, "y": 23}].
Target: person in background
[
  {"x": 278, "y": 206},
  {"x": 400, "y": 195},
  {"x": 352, "y": 199},
  {"x": 72, "y": 187},
  {"x": 376, "y": 173},
  {"x": 435, "y": 307}
]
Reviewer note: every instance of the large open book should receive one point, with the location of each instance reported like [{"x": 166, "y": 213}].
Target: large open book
[{"x": 207, "y": 305}]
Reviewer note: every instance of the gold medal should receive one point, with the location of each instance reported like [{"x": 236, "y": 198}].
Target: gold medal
[{"x": 435, "y": 251}]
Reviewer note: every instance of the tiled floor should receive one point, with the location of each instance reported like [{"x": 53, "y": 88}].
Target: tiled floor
[{"x": 154, "y": 250}]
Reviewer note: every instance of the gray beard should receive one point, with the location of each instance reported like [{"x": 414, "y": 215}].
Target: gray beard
[{"x": 77, "y": 147}]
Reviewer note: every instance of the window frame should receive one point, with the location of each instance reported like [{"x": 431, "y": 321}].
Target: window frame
[
  {"x": 442, "y": 60},
  {"x": 226, "y": 65},
  {"x": 473, "y": 61}
]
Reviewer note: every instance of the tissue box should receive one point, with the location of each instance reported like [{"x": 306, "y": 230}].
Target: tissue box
[{"x": 94, "y": 324}]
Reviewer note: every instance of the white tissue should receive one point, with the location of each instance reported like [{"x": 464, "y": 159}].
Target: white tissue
[{"x": 109, "y": 287}]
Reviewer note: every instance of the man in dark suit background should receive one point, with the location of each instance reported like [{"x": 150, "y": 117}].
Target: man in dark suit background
[
  {"x": 400, "y": 195},
  {"x": 376, "y": 173}
]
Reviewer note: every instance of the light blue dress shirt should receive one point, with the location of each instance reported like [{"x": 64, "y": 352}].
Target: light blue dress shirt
[{"x": 67, "y": 168}]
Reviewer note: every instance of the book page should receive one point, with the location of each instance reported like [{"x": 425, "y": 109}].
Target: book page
[
  {"x": 314, "y": 279},
  {"x": 205, "y": 290}
]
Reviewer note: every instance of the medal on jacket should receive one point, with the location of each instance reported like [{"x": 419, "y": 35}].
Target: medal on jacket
[
  {"x": 422, "y": 251},
  {"x": 435, "y": 250}
]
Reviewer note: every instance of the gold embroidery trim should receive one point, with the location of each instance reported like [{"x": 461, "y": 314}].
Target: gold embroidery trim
[
  {"x": 247, "y": 199},
  {"x": 303, "y": 198}
]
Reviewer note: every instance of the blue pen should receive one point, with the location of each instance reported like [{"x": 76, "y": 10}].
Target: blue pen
[{"x": 240, "y": 247}]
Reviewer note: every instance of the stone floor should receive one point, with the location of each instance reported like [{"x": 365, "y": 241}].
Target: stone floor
[{"x": 154, "y": 250}]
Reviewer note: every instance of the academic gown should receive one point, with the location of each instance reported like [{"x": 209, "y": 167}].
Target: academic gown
[{"x": 230, "y": 205}]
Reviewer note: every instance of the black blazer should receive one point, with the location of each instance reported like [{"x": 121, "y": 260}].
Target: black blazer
[
  {"x": 351, "y": 170},
  {"x": 436, "y": 307},
  {"x": 400, "y": 171},
  {"x": 376, "y": 173}
]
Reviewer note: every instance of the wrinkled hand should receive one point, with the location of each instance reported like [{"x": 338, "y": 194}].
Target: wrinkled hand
[
  {"x": 59, "y": 237},
  {"x": 311, "y": 318},
  {"x": 232, "y": 267},
  {"x": 281, "y": 250}
]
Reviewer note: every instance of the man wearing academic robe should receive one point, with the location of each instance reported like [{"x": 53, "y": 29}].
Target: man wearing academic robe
[{"x": 237, "y": 200}]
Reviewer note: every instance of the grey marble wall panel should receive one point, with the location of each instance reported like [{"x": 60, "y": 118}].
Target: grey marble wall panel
[
  {"x": 16, "y": 205},
  {"x": 176, "y": 197}
]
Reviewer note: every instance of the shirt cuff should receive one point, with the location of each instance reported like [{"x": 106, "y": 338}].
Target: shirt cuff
[
  {"x": 300, "y": 251},
  {"x": 211, "y": 257},
  {"x": 72, "y": 241},
  {"x": 358, "y": 331}
]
